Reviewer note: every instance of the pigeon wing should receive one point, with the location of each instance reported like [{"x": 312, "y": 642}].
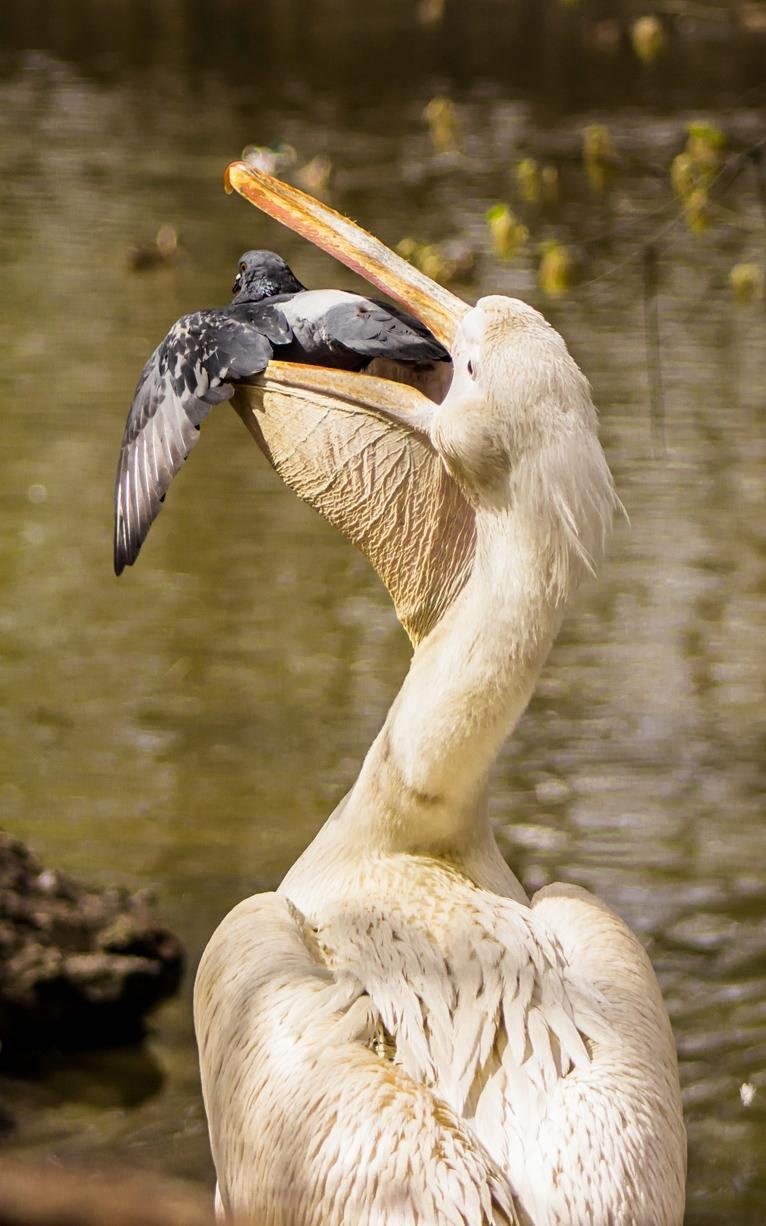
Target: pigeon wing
[
  {"x": 376, "y": 330},
  {"x": 188, "y": 373}
]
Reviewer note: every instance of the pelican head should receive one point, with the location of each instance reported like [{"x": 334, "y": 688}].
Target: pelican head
[
  {"x": 518, "y": 431},
  {"x": 515, "y": 391}
]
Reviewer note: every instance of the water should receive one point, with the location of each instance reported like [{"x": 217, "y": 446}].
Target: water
[{"x": 188, "y": 727}]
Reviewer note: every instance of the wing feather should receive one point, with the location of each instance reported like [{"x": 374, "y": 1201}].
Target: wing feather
[
  {"x": 308, "y": 1123},
  {"x": 488, "y": 1014},
  {"x": 374, "y": 329},
  {"x": 184, "y": 378}
]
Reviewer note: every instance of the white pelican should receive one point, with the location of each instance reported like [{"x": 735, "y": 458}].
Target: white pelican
[{"x": 399, "y": 1034}]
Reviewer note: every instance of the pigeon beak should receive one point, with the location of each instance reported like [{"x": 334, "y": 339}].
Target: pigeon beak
[
  {"x": 237, "y": 283},
  {"x": 439, "y": 310}
]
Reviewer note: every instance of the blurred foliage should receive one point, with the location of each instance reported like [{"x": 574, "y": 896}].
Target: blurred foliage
[
  {"x": 648, "y": 38},
  {"x": 746, "y": 281},
  {"x": 430, "y": 12},
  {"x": 556, "y": 269},
  {"x": 535, "y": 220},
  {"x": 537, "y": 184},
  {"x": 694, "y": 171},
  {"x": 444, "y": 262},
  {"x": 598, "y": 155},
  {"x": 316, "y": 175},
  {"x": 694, "y": 175},
  {"x": 274, "y": 159},
  {"x": 507, "y": 232},
  {"x": 443, "y": 124}
]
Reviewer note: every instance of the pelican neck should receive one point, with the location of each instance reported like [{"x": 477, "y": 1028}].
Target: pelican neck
[{"x": 422, "y": 786}]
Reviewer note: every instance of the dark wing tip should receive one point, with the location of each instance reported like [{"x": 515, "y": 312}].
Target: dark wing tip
[
  {"x": 125, "y": 553},
  {"x": 190, "y": 371},
  {"x": 127, "y": 542}
]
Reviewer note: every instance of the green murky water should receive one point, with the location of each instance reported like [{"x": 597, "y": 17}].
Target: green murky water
[{"x": 188, "y": 727}]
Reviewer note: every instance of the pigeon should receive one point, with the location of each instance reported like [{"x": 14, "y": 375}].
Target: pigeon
[{"x": 208, "y": 352}]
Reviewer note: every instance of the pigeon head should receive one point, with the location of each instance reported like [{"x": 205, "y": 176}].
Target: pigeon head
[{"x": 263, "y": 274}]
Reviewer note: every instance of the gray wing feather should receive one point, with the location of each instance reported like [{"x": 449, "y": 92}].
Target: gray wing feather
[
  {"x": 375, "y": 330},
  {"x": 189, "y": 372}
]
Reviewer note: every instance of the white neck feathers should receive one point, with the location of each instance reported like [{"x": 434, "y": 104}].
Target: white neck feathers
[{"x": 424, "y": 779}]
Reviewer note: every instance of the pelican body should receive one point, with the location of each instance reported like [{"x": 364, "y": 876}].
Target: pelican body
[{"x": 400, "y": 1035}]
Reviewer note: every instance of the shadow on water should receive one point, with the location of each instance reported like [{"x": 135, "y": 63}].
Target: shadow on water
[
  {"x": 119, "y": 1077},
  {"x": 188, "y": 727}
]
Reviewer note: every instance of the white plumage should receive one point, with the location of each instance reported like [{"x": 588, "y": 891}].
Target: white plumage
[{"x": 400, "y": 1035}]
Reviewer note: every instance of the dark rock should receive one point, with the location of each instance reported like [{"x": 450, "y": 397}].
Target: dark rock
[{"x": 79, "y": 967}]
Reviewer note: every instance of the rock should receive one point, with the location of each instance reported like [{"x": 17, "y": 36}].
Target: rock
[{"x": 79, "y": 967}]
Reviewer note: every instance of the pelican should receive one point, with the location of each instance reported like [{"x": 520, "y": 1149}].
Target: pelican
[{"x": 399, "y": 1034}]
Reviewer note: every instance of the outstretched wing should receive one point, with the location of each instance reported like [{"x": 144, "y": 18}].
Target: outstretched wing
[
  {"x": 357, "y": 449},
  {"x": 188, "y": 373},
  {"x": 308, "y": 1121}
]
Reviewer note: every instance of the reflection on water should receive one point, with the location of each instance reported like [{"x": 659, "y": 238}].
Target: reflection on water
[{"x": 188, "y": 727}]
